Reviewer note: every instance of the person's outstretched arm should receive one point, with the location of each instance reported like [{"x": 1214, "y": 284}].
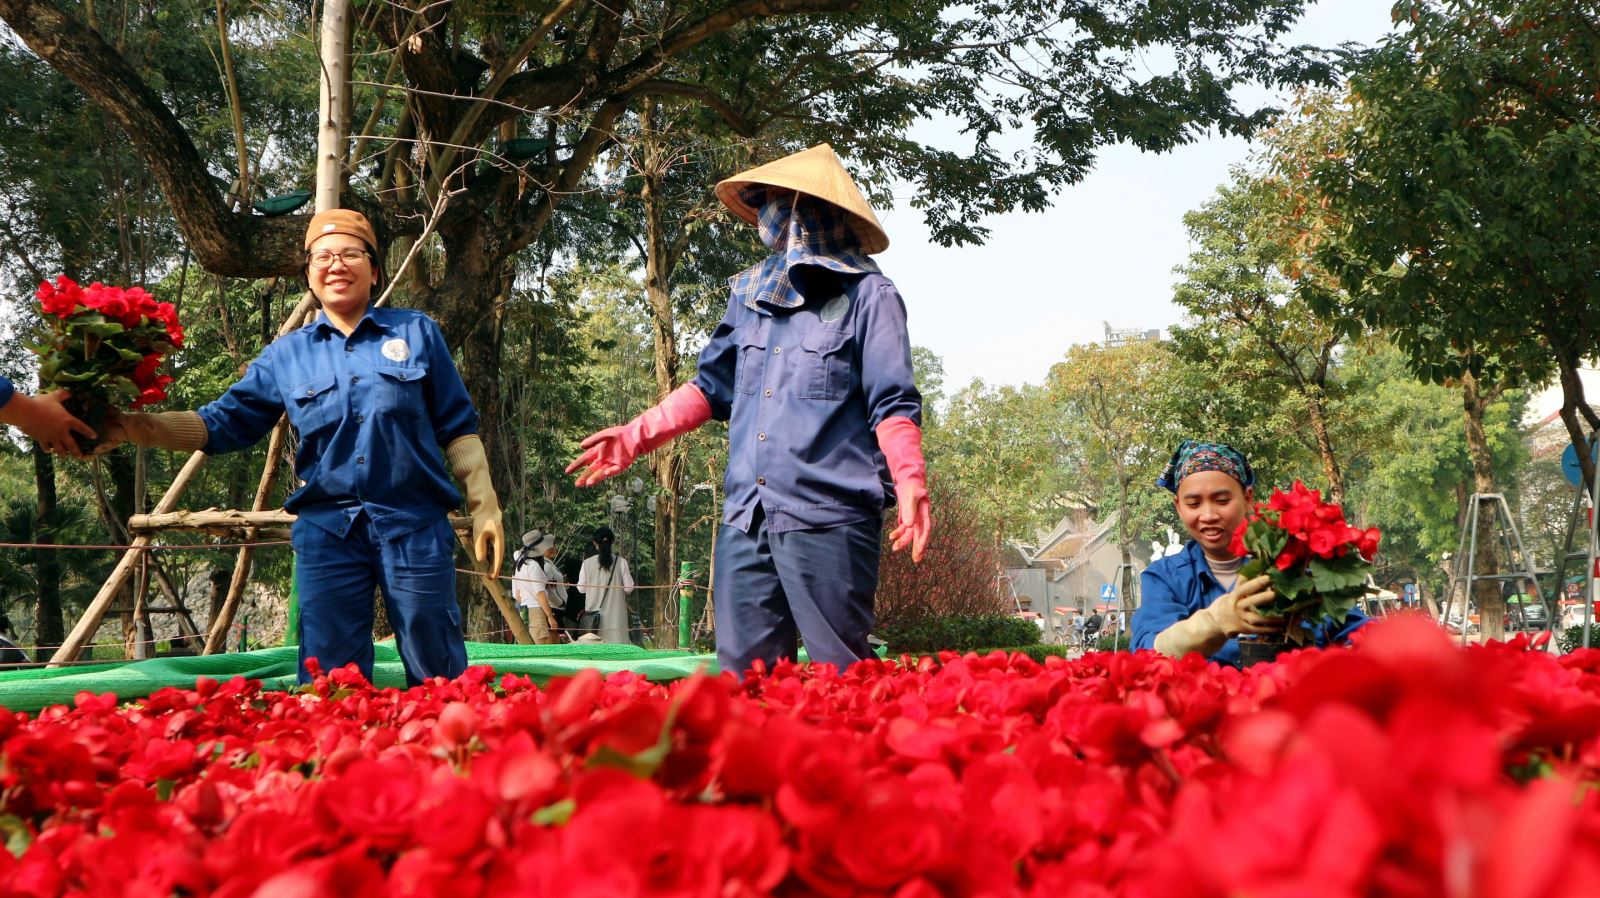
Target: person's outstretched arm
[
  {"x": 610, "y": 452},
  {"x": 43, "y": 418}
]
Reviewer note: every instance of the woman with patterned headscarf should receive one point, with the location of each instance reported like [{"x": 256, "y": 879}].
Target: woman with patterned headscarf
[{"x": 1193, "y": 601}]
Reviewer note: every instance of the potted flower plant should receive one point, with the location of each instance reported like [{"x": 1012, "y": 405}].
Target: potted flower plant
[
  {"x": 1317, "y": 562},
  {"x": 105, "y": 345}
]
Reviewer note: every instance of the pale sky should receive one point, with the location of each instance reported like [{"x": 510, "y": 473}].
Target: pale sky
[{"x": 1010, "y": 309}]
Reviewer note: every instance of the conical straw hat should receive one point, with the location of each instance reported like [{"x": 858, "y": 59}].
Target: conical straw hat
[{"x": 815, "y": 172}]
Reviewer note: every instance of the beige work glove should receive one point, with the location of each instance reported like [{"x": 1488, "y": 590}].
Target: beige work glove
[
  {"x": 183, "y": 431},
  {"x": 470, "y": 464},
  {"x": 1232, "y": 614}
]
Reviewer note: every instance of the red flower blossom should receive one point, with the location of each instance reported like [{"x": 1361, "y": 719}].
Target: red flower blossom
[
  {"x": 105, "y": 370},
  {"x": 1109, "y": 774},
  {"x": 60, "y": 299}
]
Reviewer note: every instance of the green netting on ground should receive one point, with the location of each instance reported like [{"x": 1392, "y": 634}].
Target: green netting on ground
[{"x": 31, "y": 690}]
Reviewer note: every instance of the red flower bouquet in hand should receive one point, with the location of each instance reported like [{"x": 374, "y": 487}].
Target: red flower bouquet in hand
[
  {"x": 1317, "y": 561},
  {"x": 105, "y": 344}
]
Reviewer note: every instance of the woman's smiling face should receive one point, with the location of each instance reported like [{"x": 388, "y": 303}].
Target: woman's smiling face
[
  {"x": 1212, "y": 505},
  {"x": 344, "y": 289}
]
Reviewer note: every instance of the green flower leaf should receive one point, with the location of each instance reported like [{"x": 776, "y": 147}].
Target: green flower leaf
[
  {"x": 1336, "y": 574},
  {"x": 15, "y": 831},
  {"x": 556, "y": 814}
]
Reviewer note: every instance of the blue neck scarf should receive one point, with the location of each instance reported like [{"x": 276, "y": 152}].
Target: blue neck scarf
[{"x": 800, "y": 230}]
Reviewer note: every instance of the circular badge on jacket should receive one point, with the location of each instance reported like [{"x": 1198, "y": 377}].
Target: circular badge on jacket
[
  {"x": 834, "y": 309},
  {"x": 396, "y": 350}
]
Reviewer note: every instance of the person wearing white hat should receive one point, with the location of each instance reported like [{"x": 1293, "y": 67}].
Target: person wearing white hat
[
  {"x": 536, "y": 585},
  {"x": 811, "y": 368}
]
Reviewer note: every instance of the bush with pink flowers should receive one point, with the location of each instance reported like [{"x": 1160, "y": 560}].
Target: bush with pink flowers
[{"x": 1403, "y": 767}]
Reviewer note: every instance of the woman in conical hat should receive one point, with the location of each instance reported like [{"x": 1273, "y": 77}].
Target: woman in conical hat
[{"x": 811, "y": 368}]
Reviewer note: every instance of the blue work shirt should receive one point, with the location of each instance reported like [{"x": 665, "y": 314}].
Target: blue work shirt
[
  {"x": 372, "y": 411},
  {"x": 803, "y": 390},
  {"x": 1172, "y": 589},
  {"x": 6, "y": 391}
]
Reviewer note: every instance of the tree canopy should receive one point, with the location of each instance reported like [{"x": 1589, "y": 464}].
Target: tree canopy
[{"x": 1463, "y": 189}]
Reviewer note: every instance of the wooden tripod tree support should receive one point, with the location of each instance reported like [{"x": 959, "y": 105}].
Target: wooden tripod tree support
[
  {"x": 230, "y": 522},
  {"x": 164, "y": 518}
]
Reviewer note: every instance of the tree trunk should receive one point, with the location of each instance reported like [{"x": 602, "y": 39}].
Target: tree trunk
[
  {"x": 1330, "y": 462},
  {"x": 666, "y": 462},
  {"x": 1573, "y": 406},
  {"x": 1486, "y": 593},
  {"x": 464, "y": 305},
  {"x": 1125, "y": 543},
  {"x": 49, "y": 628},
  {"x": 1428, "y": 601},
  {"x": 124, "y": 487}
]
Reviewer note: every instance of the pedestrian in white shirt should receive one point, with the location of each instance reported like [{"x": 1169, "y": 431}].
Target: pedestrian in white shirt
[
  {"x": 606, "y": 583},
  {"x": 536, "y": 585}
]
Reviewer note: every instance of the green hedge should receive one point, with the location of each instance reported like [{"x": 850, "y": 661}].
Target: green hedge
[
  {"x": 1571, "y": 638},
  {"x": 1038, "y": 651},
  {"x": 959, "y": 634}
]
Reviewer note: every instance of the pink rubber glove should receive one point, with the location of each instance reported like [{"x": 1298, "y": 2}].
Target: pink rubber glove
[
  {"x": 901, "y": 442},
  {"x": 610, "y": 452}
]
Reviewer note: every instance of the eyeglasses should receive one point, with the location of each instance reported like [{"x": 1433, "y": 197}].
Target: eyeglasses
[{"x": 350, "y": 257}]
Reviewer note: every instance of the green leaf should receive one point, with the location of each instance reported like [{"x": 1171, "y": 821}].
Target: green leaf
[
  {"x": 101, "y": 329},
  {"x": 1290, "y": 586},
  {"x": 556, "y": 814},
  {"x": 1333, "y": 575},
  {"x": 16, "y": 833},
  {"x": 1265, "y": 539},
  {"x": 164, "y": 789},
  {"x": 1254, "y": 568}
]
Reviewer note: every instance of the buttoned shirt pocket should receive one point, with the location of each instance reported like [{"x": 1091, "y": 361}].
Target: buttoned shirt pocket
[
  {"x": 826, "y": 369},
  {"x": 314, "y": 403},
  {"x": 751, "y": 365},
  {"x": 400, "y": 389}
]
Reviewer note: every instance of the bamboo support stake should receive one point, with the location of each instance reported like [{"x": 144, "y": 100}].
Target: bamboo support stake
[
  {"x": 519, "y": 630},
  {"x": 85, "y": 629},
  {"x": 217, "y": 639},
  {"x": 144, "y": 632}
]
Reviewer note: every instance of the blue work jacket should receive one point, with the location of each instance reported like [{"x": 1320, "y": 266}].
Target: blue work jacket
[
  {"x": 803, "y": 390},
  {"x": 6, "y": 391},
  {"x": 372, "y": 411},
  {"x": 1172, "y": 589}
]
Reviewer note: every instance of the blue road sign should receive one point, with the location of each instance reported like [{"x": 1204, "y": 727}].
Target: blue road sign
[
  {"x": 1108, "y": 591},
  {"x": 1569, "y": 463}
]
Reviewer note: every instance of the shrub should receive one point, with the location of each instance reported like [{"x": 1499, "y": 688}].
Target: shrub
[
  {"x": 1571, "y": 638},
  {"x": 1040, "y": 651},
  {"x": 1109, "y": 642},
  {"x": 958, "y": 634},
  {"x": 959, "y": 577}
]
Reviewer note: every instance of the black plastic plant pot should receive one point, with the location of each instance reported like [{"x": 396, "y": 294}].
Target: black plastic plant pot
[
  {"x": 1260, "y": 651},
  {"x": 91, "y": 411}
]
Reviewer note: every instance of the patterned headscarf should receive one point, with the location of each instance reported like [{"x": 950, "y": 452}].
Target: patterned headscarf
[
  {"x": 1193, "y": 456},
  {"x": 800, "y": 230}
]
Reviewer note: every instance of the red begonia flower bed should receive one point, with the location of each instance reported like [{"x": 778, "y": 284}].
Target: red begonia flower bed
[{"x": 1404, "y": 767}]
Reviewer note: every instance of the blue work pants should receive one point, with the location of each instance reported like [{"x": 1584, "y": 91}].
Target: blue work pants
[
  {"x": 816, "y": 585},
  {"x": 416, "y": 571}
]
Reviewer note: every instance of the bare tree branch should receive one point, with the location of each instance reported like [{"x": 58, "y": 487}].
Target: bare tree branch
[{"x": 236, "y": 244}]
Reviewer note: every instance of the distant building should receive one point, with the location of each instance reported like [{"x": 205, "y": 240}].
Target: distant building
[
  {"x": 1071, "y": 565},
  {"x": 1122, "y": 336}
]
